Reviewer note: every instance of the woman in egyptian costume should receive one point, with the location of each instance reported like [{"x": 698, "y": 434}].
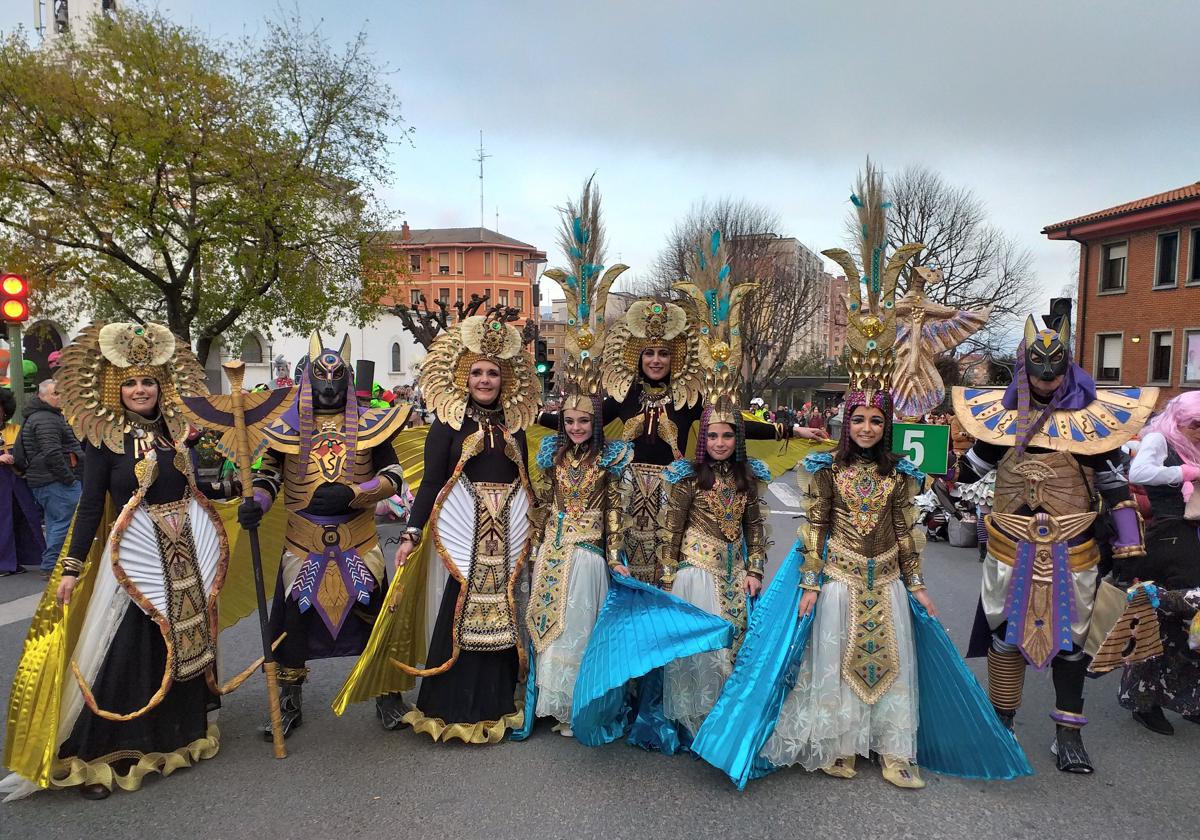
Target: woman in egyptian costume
[
  {"x": 473, "y": 508},
  {"x": 845, "y": 640},
  {"x": 142, "y": 693},
  {"x": 713, "y": 546},
  {"x": 578, "y": 517}
]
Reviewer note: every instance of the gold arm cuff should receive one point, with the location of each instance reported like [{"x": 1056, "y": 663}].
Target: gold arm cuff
[{"x": 72, "y": 566}]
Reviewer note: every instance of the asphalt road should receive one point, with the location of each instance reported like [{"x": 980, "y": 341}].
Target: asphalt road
[{"x": 348, "y": 778}]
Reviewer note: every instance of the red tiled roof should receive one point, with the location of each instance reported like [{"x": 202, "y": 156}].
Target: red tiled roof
[{"x": 1185, "y": 193}]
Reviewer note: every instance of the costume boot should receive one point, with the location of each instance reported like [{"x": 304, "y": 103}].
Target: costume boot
[
  {"x": 1069, "y": 670},
  {"x": 391, "y": 709},
  {"x": 902, "y": 773},
  {"x": 291, "y": 716}
]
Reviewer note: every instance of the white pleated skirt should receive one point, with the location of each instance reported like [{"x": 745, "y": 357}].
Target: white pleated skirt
[
  {"x": 692, "y": 685},
  {"x": 822, "y": 719},
  {"x": 558, "y": 665}
]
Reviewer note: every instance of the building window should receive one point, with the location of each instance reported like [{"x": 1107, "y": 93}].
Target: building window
[
  {"x": 520, "y": 300},
  {"x": 444, "y": 295},
  {"x": 414, "y": 263},
  {"x": 443, "y": 262},
  {"x": 1162, "y": 347},
  {"x": 504, "y": 297},
  {"x": 397, "y": 362},
  {"x": 458, "y": 262},
  {"x": 252, "y": 350},
  {"x": 458, "y": 295},
  {"x": 502, "y": 264},
  {"x": 487, "y": 263},
  {"x": 549, "y": 352},
  {"x": 1168, "y": 259},
  {"x": 518, "y": 268},
  {"x": 414, "y": 297},
  {"x": 1194, "y": 257},
  {"x": 1191, "y": 358},
  {"x": 1108, "y": 357},
  {"x": 1112, "y": 267}
]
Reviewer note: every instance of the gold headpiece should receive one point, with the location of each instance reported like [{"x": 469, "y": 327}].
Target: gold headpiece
[
  {"x": 105, "y": 355},
  {"x": 582, "y": 239},
  {"x": 654, "y": 323},
  {"x": 448, "y": 363},
  {"x": 719, "y": 309},
  {"x": 871, "y": 332}
]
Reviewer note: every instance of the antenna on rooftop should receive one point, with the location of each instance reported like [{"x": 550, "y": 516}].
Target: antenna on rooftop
[{"x": 480, "y": 159}]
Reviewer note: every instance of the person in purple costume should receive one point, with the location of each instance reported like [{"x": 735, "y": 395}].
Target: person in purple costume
[{"x": 1061, "y": 495}]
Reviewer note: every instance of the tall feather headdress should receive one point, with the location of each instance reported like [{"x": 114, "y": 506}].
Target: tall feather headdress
[
  {"x": 585, "y": 284},
  {"x": 718, "y": 301},
  {"x": 871, "y": 332}
]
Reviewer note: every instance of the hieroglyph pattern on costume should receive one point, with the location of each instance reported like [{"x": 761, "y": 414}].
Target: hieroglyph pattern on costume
[
  {"x": 187, "y": 602},
  {"x": 487, "y": 622},
  {"x": 871, "y": 662},
  {"x": 642, "y": 487}
]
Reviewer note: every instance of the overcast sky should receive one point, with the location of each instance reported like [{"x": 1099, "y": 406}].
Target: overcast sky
[{"x": 1047, "y": 110}]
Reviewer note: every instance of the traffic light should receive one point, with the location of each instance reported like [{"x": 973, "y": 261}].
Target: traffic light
[
  {"x": 14, "y": 298},
  {"x": 541, "y": 358}
]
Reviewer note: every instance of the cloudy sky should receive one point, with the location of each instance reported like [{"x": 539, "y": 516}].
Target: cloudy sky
[{"x": 1046, "y": 110}]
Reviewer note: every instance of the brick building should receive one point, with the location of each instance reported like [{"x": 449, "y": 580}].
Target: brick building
[
  {"x": 1137, "y": 307},
  {"x": 451, "y": 264}
]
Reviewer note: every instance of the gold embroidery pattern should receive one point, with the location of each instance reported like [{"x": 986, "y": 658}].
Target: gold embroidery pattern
[
  {"x": 866, "y": 494},
  {"x": 644, "y": 492},
  {"x": 546, "y": 615},
  {"x": 726, "y": 506},
  {"x": 725, "y": 563},
  {"x": 870, "y": 664},
  {"x": 187, "y": 603},
  {"x": 486, "y": 622}
]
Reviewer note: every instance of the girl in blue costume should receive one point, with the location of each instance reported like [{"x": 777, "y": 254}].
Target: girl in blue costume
[
  {"x": 579, "y": 517},
  {"x": 857, "y": 687},
  {"x": 713, "y": 554}
]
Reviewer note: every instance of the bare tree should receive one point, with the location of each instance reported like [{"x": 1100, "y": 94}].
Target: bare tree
[
  {"x": 982, "y": 266},
  {"x": 425, "y": 323},
  {"x": 787, "y": 273}
]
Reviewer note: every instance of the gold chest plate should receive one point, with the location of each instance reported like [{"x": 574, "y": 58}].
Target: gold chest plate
[{"x": 1053, "y": 482}]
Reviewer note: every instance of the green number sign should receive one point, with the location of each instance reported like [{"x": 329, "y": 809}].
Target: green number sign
[{"x": 926, "y": 446}]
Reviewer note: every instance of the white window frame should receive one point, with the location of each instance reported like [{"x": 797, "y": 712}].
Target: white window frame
[
  {"x": 1154, "y": 284},
  {"x": 1183, "y": 359},
  {"x": 518, "y": 267},
  {"x": 414, "y": 258},
  {"x": 1100, "y": 290},
  {"x": 414, "y": 297},
  {"x": 1150, "y": 380},
  {"x": 1096, "y": 358}
]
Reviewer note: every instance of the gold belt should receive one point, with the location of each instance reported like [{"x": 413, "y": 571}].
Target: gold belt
[
  {"x": 310, "y": 537},
  {"x": 573, "y": 528},
  {"x": 851, "y": 568},
  {"x": 705, "y": 551},
  {"x": 1004, "y": 548}
]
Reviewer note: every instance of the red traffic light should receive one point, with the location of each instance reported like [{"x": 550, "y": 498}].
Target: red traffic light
[{"x": 14, "y": 290}]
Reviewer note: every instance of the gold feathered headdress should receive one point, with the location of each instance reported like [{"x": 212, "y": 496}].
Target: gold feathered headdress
[
  {"x": 105, "y": 355},
  {"x": 448, "y": 363},
  {"x": 718, "y": 304},
  {"x": 871, "y": 332},
  {"x": 653, "y": 323},
  {"x": 586, "y": 289}
]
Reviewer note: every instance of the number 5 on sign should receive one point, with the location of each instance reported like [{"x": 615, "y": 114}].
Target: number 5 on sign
[{"x": 925, "y": 445}]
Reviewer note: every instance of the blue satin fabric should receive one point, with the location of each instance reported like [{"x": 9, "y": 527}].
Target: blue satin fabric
[
  {"x": 650, "y": 728},
  {"x": 958, "y": 732},
  {"x": 531, "y": 695},
  {"x": 744, "y": 716},
  {"x": 640, "y": 628}
]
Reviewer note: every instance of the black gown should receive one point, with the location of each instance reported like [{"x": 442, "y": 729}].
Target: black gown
[
  {"x": 132, "y": 671},
  {"x": 480, "y": 686}
]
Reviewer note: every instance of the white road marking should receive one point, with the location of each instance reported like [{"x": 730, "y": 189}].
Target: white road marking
[
  {"x": 785, "y": 494},
  {"x": 19, "y": 609}
]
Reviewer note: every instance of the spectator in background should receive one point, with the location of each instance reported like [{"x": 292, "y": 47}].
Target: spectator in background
[
  {"x": 52, "y": 455},
  {"x": 21, "y": 542}
]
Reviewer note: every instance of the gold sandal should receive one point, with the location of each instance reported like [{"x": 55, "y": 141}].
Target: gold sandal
[
  {"x": 902, "y": 773},
  {"x": 842, "y": 768}
]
